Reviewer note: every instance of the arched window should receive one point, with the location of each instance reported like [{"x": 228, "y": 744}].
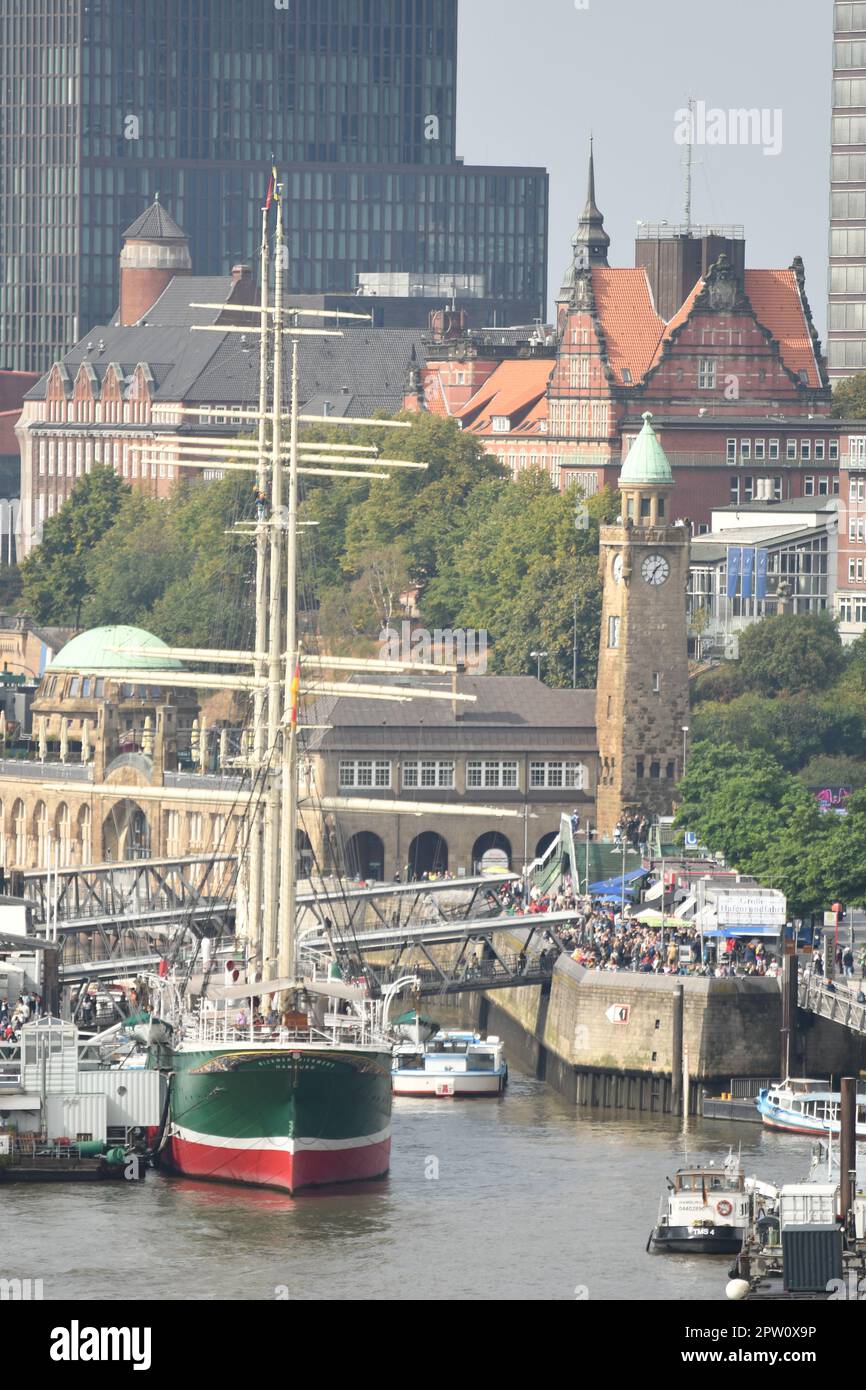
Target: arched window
[
  {"x": 41, "y": 831},
  {"x": 19, "y": 831},
  {"x": 63, "y": 831},
  {"x": 85, "y": 834}
]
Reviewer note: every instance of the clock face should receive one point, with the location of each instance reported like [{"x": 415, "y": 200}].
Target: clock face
[
  {"x": 617, "y": 568},
  {"x": 655, "y": 569}
]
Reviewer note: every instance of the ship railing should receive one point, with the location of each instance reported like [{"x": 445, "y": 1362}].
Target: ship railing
[{"x": 218, "y": 1032}]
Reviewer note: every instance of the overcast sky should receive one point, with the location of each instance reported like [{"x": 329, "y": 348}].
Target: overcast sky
[{"x": 537, "y": 75}]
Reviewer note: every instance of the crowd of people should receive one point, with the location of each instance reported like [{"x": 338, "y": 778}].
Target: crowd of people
[
  {"x": 603, "y": 936},
  {"x": 12, "y": 1019}
]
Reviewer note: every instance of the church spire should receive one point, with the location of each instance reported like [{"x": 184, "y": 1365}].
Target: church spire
[
  {"x": 590, "y": 242},
  {"x": 590, "y": 234}
]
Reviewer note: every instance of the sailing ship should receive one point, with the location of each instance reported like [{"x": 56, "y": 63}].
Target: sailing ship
[{"x": 306, "y": 1099}]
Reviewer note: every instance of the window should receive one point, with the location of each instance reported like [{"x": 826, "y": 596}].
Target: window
[
  {"x": 570, "y": 775},
  {"x": 671, "y": 771},
  {"x": 706, "y": 373},
  {"x": 428, "y": 773},
  {"x": 805, "y": 449},
  {"x": 759, "y": 449},
  {"x": 365, "y": 772},
  {"x": 823, "y": 487},
  {"x": 791, "y": 450},
  {"x": 491, "y": 774},
  {"x": 735, "y": 490},
  {"x": 655, "y": 770},
  {"x": 748, "y": 489},
  {"x": 500, "y": 424},
  {"x": 731, "y": 451},
  {"x": 640, "y": 769},
  {"x": 774, "y": 449},
  {"x": 819, "y": 450},
  {"x": 613, "y": 631},
  {"x": 657, "y": 682},
  {"x": 809, "y": 487},
  {"x": 745, "y": 449}
]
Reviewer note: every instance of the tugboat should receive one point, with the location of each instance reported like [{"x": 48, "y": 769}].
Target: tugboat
[{"x": 707, "y": 1211}]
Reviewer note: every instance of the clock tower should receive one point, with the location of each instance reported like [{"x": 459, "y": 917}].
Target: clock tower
[{"x": 642, "y": 701}]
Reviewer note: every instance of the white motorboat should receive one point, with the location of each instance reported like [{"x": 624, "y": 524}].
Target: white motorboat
[{"x": 450, "y": 1065}]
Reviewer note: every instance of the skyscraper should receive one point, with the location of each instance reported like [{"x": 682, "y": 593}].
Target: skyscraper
[
  {"x": 846, "y": 327},
  {"x": 106, "y": 103}
]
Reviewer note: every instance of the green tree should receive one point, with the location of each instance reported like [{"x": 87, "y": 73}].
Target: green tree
[
  {"x": 56, "y": 575},
  {"x": 790, "y": 653},
  {"x": 849, "y": 398}
]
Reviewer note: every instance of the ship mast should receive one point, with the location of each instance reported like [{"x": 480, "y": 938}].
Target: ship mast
[{"x": 259, "y": 750}]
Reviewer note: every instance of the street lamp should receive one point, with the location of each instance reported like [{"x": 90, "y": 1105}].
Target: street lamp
[
  {"x": 685, "y": 743},
  {"x": 527, "y": 817},
  {"x": 537, "y": 657}
]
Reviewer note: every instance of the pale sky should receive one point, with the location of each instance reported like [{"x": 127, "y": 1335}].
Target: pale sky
[{"x": 537, "y": 75}]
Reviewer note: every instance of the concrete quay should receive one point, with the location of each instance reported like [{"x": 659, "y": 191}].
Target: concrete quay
[{"x": 618, "y": 1039}]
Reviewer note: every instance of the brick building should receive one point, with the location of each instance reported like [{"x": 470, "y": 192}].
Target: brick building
[
  {"x": 122, "y": 388},
  {"x": 734, "y": 377}
]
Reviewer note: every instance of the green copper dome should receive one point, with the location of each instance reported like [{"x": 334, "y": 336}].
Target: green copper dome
[
  {"x": 647, "y": 461},
  {"x": 96, "y": 651}
]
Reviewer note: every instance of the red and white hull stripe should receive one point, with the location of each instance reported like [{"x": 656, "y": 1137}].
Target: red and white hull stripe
[{"x": 278, "y": 1161}]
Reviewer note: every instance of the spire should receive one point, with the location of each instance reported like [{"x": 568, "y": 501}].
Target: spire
[{"x": 590, "y": 242}]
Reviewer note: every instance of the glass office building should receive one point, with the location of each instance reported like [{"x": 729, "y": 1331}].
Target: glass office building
[
  {"x": 846, "y": 326},
  {"x": 105, "y": 103}
]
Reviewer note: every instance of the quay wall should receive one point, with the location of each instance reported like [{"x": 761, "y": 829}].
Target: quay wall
[{"x": 617, "y": 1038}]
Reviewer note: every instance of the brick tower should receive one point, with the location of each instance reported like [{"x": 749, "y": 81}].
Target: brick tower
[
  {"x": 155, "y": 250},
  {"x": 642, "y": 701}
]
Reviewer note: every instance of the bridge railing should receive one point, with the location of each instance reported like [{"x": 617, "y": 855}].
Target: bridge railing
[{"x": 838, "y": 1004}]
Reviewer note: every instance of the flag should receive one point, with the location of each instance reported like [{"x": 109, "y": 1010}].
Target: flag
[
  {"x": 734, "y": 556},
  {"x": 748, "y": 569},
  {"x": 272, "y": 194},
  {"x": 761, "y": 574},
  {"x": 295, "y": 691}
]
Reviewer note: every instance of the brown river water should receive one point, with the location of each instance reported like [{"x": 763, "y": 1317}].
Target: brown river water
[{"x": 520, "y": 1197}]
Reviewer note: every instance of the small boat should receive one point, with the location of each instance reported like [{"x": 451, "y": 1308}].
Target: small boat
[
  {"x": 800, "y": 1106},
  {"x": 450, "y": 1064},
  {"x": 707, "y": 1211}
]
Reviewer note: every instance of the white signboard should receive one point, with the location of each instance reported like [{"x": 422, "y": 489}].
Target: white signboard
[
  {"x": 751, "y": 909},
  {"x": 618, "y": 1013}
]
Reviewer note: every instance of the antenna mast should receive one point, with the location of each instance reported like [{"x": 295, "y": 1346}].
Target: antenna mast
[{"x": 689, "y": 149}]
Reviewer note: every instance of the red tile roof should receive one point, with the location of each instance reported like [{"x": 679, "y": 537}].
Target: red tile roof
[
  {"x": 679, "y": 318},
  {"x": 628, "y": 317},
  {"x": 775, "y": 298},
  {"x": 517, "y": 389}
]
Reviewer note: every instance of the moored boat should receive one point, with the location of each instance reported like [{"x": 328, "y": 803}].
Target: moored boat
[
  {"x": 801, "y": 1106},
  {"x": 707, "y": 1211},
  {"x": 450, "y": 1065}
]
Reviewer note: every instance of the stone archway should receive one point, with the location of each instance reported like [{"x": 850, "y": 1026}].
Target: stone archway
[
  {"x": 545, "y": 842},
  {"x": 428, "y": 854},
  {"x": 491, "y": 853},
  {"x": 126, "y": 833},
  {"x": 365, "y": 856}
]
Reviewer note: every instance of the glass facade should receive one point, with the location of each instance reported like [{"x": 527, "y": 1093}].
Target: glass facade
[
  {"x": 846, "y": 336},
  {"x": 105, "y": 103}
]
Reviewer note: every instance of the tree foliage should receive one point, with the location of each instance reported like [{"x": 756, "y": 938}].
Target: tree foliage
[
  {"x": 849, "y": 398},
  {"x": 790, "y": 653},
  {"x": 56, "y": 577}
]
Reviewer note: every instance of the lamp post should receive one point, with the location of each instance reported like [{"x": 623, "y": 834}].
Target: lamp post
[
  {"x": 574, "y": 650},
  {"x": 685, "y": 745},
  {"x": 527, "y": 817},
  {"x": 537, "y": 657}
]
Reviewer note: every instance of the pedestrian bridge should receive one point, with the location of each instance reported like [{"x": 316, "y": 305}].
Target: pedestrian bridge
[{"x": 838, "y": 1004}]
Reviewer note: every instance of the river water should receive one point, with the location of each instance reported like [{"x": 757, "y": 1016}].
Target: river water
[{"x": 523, "y": 1197}]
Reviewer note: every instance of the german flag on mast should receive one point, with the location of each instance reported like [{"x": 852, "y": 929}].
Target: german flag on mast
[{"x": 272, "y": 194}]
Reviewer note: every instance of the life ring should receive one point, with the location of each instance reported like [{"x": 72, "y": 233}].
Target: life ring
[{"x": 724, "y": 1207}]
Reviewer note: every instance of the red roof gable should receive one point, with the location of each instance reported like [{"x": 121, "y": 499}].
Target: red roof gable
[
  {"x": 628, "y": 318},
  {"x": 517, "y": 390},
  {"x": 775, "y": 298}
]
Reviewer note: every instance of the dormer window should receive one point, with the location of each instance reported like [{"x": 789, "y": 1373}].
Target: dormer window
[
  {"x": 501, "y": 424},
  {"x": 626, "y": 376}
]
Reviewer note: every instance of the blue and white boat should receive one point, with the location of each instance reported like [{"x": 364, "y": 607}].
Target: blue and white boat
[
  {"x": 450, "y": 1065},
  {"x": 801, "y": 1106}
]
